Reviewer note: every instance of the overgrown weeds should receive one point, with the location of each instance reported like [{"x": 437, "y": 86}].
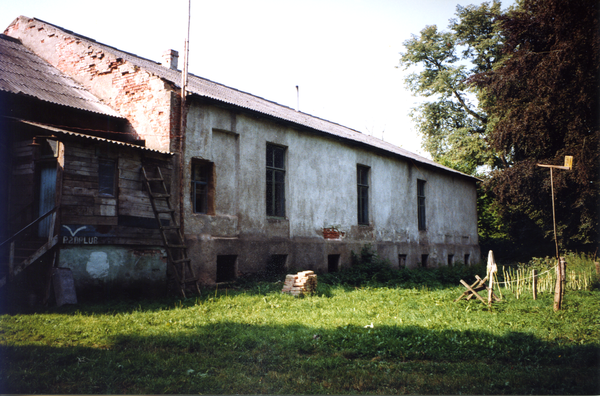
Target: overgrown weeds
[{"x": 368, "y": 269}]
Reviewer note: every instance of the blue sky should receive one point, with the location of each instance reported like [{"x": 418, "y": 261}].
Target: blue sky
[{"x": 341, "y": 53}]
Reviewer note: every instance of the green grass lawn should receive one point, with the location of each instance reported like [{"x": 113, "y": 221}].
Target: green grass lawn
[{"x": 256, "y": 340}]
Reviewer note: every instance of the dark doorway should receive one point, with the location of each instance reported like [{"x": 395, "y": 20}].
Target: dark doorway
[{"x": 277, "y": 264}]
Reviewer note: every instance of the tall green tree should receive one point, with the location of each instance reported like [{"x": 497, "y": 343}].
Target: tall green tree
[
  {"x": 453, "y": 126},
  {"x": 543, "y": 100}
]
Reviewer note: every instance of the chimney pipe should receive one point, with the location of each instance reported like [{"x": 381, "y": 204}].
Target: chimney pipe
[{"x": 170, "y": 58}]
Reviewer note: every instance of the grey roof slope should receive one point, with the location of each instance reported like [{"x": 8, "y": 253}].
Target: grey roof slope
[
  {"x": 23, "y": 72},
  {"x": 89, "y": 137},
  {"x": 209, "y": 89}
]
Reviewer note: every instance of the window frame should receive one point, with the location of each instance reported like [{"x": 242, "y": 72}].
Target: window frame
[
  {"x": 402, "y": 260},
  {"x": 421, "y": 208},
  {"x": 275, "y": 177},
  {"x": 107, "y": 165},
  {"x": 208, "y": 184},
  {"x": 363, "y": 174}
]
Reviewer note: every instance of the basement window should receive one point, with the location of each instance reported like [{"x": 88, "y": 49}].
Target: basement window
[
  {"x": 424, "y": 259},
  {"x": 277, "y": 264},
  {"x": 226, "y": 268},
  {"x": 333, "y": 263},
  {"x": 402, "y": 261},
  {"x": 467, "y": 256},
  {"x": 450, "y": 260}
]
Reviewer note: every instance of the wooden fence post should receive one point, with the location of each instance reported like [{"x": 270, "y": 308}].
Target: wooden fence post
[
  {"x": 559, "y": 289},
  {"x": 597, "y": 264},
  {"x": 563, "y": 274},
  {"x": 534, "y": 284}
]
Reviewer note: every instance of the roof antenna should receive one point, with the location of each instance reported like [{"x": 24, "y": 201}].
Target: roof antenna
[{"x": 297, "y": 98}]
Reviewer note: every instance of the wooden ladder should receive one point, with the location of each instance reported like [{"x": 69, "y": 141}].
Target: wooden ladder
[{"x": 174, "y": 243}]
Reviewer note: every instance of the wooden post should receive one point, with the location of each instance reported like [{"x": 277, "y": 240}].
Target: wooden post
[
  {"x": 534, "y": 284},
  {"x": 597, "y": 264},
  {"x": 492, "y": 268},
  {"x": 563, "y": 278},
  {"x": 490, "y": 290},
  {"x": 559, "y": 287},
  {"x": 499, "y": 287}
]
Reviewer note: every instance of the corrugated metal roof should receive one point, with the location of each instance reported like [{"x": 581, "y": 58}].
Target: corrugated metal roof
[
  {"x": 209, "y": 89},
  {"x": 59, "y": 131},
  {"x": 23, "y": 72}
]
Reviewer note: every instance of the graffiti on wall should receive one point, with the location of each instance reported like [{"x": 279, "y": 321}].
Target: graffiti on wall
[{"x": 82, "y": 235}]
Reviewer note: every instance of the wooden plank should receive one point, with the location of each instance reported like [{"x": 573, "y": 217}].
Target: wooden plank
[
  {"x": 130, "y": 175},
  {"x": 133, "y": 185},
  {"x": 145, "y": 211},
  {"x": 135, "y": 194},
  {"x": 78, "y": 210},
  {"x": 78, "y": 150},
  {"x": 79, "y": 190},
  {"x": 86, "y": 177},
  {"x": 466, "y": 292},
  {"x": 465, "y": 284},
  {"x": 91, "y": 220},
  {"x": 125, "y": 164},
  {"x": 22, "y": 171},
  {"x": 70, "y": 200}
]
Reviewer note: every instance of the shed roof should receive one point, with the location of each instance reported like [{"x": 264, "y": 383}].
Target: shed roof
[
  {"x": 58, "y": 131},
  {"x": 23, "y": 72},
  {"x": 205, "y": 88}
]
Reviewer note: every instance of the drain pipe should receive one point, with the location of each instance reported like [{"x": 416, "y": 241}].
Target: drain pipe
[{"x": 182, "y": 122}]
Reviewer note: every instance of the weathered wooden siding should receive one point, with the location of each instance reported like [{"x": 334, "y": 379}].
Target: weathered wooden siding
[
  {"x": 22, "y": 186},
  {"x": 126, "y": 217}
]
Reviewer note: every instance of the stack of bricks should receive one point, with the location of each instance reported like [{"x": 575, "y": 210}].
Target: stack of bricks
[{"x": 304, "y": 282}]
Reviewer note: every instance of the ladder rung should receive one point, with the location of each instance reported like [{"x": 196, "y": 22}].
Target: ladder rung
[
  {"x": 176, "y": 246},
  {"x": 165, "y": 210},
  {"x": 181, "y": 261},
  {"x": 160, "y": 195},
  {"x": 194, "y": 280},
  {"x": 154, "y": 179},
  {"x": 173, "y": 227}
]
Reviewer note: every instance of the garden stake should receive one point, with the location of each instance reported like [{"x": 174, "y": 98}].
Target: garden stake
[
  {"x": 534, "y": 286},
  {"x": 560, "y": 273}
]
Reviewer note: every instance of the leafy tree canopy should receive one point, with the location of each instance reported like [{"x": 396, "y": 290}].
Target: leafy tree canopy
[
  {"x": 510, "y": 90},
  {"x": 543, "y": 96},
  {"x": 453, "y": 124}
]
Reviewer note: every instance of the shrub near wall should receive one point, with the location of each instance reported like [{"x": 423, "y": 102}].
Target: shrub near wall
[{"x": 368, "y": 269}]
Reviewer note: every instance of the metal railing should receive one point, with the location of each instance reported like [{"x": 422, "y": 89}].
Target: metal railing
[{"x": 11, "y": 242}]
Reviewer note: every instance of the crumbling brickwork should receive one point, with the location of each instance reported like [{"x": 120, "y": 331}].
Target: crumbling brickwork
[{"x": 145, "y": 100}]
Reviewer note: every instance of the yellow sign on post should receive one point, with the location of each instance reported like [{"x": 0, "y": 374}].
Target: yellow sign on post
[{"x": 569, "y": 162}]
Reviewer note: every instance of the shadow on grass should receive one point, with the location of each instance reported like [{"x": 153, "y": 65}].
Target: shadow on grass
[{"x": 230, "y": 357}]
